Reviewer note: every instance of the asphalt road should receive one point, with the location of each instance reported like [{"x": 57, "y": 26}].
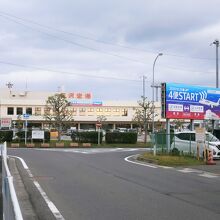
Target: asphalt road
[{"x": 103, "y": 186}]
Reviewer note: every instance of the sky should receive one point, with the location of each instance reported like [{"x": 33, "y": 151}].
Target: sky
[{"x": 106, "y": 47}]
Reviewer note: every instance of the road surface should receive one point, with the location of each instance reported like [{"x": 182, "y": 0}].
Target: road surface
[{"x": 89, "y": 185}]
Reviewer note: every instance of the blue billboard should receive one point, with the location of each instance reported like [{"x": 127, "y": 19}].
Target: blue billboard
[{"x": 192, "y": 102}]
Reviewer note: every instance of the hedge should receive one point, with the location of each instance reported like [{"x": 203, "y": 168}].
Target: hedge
[
  {"x": 6, "y": 136},
  {"x": 86, "y": 137},
  {"x": 119, "y": 137}
]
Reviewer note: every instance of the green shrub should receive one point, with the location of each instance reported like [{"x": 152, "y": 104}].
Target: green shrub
[
  {"x": 6, "y": 135},
  {"x": 175, "y": 152},
  {"x": 121, "y": 137},
  {"x": 86, "y": 137}
]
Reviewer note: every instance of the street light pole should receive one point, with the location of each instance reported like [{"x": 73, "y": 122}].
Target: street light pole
[
  {"x": 216, "y": 42},
  {"x": 160, "y": 54},
  {"x": 144, "y": 100}
]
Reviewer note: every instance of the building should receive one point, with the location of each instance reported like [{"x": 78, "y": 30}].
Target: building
[{"x": 86, "y": 110}]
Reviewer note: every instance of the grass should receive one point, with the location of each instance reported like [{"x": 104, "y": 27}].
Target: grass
[{"x": 170, "y": 160}]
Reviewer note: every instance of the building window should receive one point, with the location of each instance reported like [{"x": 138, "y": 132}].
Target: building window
[
  {"x": 82, "y": 111},
  {"x": 124, "y": 112},
  {"x": 46, "y": 111},
  {"x": 91, "y": 110},
  {"x": 99, "y": 109},
  {"x": 116, "y": 110},
  {"x": 10, "y": 110},
  {"x": 29, "y": 111},
  {"x": 19, "y": 111},
  {"x": 37, "y": 111}
]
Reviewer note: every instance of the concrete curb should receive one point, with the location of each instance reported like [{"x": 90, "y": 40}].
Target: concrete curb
[{"x": 40, "y": 206}]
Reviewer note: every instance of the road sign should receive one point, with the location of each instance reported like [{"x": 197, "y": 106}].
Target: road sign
[
  {"x": 26, "y": 116},
  {"x": 98, "y": 124},
  {"x": 5, "y": 122}
]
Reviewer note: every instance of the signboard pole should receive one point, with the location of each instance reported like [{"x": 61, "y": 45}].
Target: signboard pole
[
  {"x": 168, "y": 134},
  {"x": 25, "y": 138},
  {"x": 99, "y": 136},
  {"x": 192, "y": 125}
]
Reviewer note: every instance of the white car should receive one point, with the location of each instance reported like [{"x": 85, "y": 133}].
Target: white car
[{"x": 185, "y": 141}]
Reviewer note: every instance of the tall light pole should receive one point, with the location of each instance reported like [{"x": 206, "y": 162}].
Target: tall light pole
[
  {"x": 216, "y": 42},
  {"x": 144, "y": 103},
  {"x": 159, "y": 54}
]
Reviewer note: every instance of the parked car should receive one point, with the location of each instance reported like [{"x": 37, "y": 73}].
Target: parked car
[
  {"x": 186, "y": 141},
  {"x": 122, "y": 129}
]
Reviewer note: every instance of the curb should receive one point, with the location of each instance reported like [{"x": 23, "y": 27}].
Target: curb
[{"x": 40, "y": 206}]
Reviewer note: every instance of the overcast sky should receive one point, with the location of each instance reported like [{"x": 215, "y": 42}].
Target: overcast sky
[{"x": 105, "y": 47}]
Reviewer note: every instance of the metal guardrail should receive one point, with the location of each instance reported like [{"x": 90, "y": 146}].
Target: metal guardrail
[{"x": 11, "y": 208}]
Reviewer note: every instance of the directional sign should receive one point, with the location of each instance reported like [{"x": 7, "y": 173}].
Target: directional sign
[{"x": 26, "y": 116}]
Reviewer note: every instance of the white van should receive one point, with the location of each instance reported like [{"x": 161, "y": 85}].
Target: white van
[{"x": 185, "y": 141}]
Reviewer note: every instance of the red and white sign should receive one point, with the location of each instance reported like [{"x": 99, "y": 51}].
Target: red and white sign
[
  {"x": 98, "y": 125},
  {"x": 5, "y": 122},
  {"x": 79, "y": 95}
]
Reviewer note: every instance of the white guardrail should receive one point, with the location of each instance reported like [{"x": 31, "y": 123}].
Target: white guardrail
[{"x": 11, "y": 208}]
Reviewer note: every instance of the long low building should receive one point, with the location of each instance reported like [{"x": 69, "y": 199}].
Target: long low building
[{"x": 14, "y": 105}]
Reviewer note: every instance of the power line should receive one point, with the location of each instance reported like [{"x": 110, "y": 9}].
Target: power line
[
  {"x": 96, "y": 40},
  {"x": 74, "y": 43},
  {"x": 94, "y": 49},
  {"x": 66, "y": 72}
]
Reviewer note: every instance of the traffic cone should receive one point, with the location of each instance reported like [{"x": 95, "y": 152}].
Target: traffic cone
[{"x": 210, "y": 158}]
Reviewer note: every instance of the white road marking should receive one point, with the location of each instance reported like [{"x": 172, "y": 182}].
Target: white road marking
[
  {"x": 93, "y": 151},
  {"x": 209, "y": 175},
  {"x": 189, "y": 170},
  {"x": 165, "y": 167},
  {"x": 142, "y": 164},
  {"x": 50, "y": 204},
  {"x": 184, "y": 170}
]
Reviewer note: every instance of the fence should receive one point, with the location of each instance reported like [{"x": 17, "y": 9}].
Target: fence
[
  {"x": 11, "y": 208},
  {"x": 167, "y": 142}
]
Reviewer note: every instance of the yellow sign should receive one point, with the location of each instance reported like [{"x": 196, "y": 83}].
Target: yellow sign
[{"x": 54, "y": 134}]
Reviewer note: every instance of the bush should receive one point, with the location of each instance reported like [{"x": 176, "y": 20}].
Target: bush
[
  {"x": 86, "y": 137},
  {"x": 175, "y": 152},
  {"x": 119, "y": 137},
  {"x": 6, "y": 135}
]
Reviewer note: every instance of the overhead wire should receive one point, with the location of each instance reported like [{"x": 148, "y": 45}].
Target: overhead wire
[
  {"x": 65, "y": 72},
  {"x": 90, "y": 48},
  {"x": 97, "y": 40}
]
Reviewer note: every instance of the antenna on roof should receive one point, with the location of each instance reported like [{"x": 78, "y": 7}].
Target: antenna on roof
[{"x": 9, "y": 85}]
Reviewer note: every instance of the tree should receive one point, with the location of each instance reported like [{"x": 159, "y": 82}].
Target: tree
[
  {"x": 58, "y": 111},
  {"x": 144, "y": 115}
]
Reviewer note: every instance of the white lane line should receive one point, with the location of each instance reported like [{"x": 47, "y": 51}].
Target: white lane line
[
  {"x": 50, "y": 204},
  {"x": 137, "y": 163}
]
